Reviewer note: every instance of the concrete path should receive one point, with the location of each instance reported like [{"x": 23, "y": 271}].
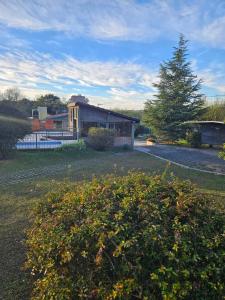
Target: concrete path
[{"x": 201, "y": 159}]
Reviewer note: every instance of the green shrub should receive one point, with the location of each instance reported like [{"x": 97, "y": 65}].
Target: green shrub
[
  {"x": 222, "y": 153},
  {"x": 132, "y": 237},
  {"x": 76, "y": 146},
  {"x": 100, "y": 138},
  {"x": 13, "y": 126},
  {"x": 193, "y": 137}
]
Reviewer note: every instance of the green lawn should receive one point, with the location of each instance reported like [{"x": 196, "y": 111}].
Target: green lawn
[{"x": 18, "y": 199}]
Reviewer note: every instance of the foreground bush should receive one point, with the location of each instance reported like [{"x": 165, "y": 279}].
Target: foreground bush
[
  {"x": 135, "y": 237},
  {"x": 100, "y": 138}
]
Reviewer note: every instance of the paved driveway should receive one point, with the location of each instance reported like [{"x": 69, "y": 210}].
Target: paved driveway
[{"x": 204, "y": 159}]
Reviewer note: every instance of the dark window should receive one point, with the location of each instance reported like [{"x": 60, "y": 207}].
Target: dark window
[
  {"x": 123, "y": 128},
  {"x": 102, "y": 125},
  {"x": 58, "y": 124}
]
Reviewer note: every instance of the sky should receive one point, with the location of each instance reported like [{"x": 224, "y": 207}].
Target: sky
[{"x": 107, "y": 50}]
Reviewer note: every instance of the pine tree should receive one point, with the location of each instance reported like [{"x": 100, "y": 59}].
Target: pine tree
[{"x": 178, "y": 99}]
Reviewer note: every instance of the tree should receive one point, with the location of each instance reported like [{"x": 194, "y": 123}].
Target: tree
[
  {"x": 215, "y": 111},
  {"x": 12, "y": 94},
  {"x": 79, "y": 98},
  {"x": 13, "y": 126},
  {"x": 52, "y": 102},
  {"x": 25, "y": 106},
  {"x": 178, "y": 99}
]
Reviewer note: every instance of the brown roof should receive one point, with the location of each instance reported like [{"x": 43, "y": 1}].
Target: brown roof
[
  {"x": 58, "y": 116},
  {"x": 205, "y": 122},
  {"x": 105, "y": 110}
]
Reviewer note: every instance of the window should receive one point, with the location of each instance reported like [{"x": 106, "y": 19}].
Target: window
[{"x": 122, "y": 128}]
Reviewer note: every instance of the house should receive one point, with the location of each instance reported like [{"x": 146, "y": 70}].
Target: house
[
  {"x": 83, "y": 116},
  {"x": 212, "y": 132},
  {"x": 42, "y": 121},
  {"x": 57, "y": 122}
]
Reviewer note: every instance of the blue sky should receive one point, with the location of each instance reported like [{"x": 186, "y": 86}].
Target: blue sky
[{"x": 107, "y": 50}]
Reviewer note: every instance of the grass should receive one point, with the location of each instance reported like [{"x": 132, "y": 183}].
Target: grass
[{"x": 17, "y": 199}]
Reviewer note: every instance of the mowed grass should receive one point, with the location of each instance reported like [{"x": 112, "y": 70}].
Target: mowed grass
[{"x": 17, "y": 200}]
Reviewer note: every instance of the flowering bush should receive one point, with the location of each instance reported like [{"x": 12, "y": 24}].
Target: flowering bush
[{"x": 132, "y": 237}]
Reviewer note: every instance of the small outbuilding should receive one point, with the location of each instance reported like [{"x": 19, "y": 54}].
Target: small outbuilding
[
  {"x": 212, "y": 132},
  {"x": 83, "y": 116}
]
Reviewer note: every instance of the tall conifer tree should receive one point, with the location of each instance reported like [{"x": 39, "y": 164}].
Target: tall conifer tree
[{"x": 178, "y": 98}]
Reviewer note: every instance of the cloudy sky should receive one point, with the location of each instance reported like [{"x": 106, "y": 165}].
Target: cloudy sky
[{"x": 107, "y": 50}]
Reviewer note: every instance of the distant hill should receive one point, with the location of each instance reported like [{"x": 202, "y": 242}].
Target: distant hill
[{"x": 131, "y": 113}]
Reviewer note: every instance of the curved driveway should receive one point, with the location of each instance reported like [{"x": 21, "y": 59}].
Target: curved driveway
[{"x": 204, "y": 159}]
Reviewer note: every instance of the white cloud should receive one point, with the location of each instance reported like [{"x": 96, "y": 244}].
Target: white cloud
[
  {"x": 36, "y": 72},
  {"x": 125, "y": 85},
  {"x": 213, "y": 77},
  {"x": 201, "y": 20}
]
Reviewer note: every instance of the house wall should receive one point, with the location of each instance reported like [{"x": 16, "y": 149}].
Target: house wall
[
  {"x": 35, "y": 125},
  {"x": 49, "y": 124},
  {"x": 87, "y": 114},
  {"x": 122, "y": 140}
]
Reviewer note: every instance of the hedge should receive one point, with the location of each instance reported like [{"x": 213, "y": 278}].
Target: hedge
[
  {"x": 100, "y": 138},
  {"x": 132, "y": 237}
]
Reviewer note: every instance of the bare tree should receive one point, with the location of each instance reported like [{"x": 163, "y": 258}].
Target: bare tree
[{"x": 12, "y": 94}]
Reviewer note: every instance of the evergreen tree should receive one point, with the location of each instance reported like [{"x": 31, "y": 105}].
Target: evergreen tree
[
  {"x": 178, "y": 99},
  {"x": 53, "y": 103}
]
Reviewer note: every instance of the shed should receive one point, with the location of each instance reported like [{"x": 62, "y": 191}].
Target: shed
[
  {"x": 212, "y": 132},
  {"x": 83, "y": 116}
]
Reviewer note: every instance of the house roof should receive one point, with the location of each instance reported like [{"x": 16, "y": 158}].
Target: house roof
[
  {"x": 205, "y": 122},
  {"x": 58, "y": 116},
  {"x": 136, "y": 120}
]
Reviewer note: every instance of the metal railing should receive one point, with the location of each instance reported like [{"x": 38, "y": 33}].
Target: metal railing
[{"x": 46, "y": 140}]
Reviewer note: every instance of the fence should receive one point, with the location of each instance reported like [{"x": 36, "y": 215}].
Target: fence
[{"x": 46, "y": 140}]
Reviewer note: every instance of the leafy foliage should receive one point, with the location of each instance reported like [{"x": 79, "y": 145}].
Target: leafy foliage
[
  {"x": 193, "y": 137},
  {"x": 77, "y": 146},
  {"x": 222, "y": 153},
  {"x": 132, "y": 237},
  {"x": 100, "y": 138},
  {"x": 13, "y": 126},
  {"x": 178, "y": 99},
  {"x": 131, "y": 113},
  {"x": 141, "y": 130},
  {"x": 14, "y": 98},
  {"x": 52, "y": 102},
  {"x": 215, "y": 111}
]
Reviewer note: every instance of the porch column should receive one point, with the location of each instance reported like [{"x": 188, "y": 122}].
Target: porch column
[{"x": 78, "y": 124}]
